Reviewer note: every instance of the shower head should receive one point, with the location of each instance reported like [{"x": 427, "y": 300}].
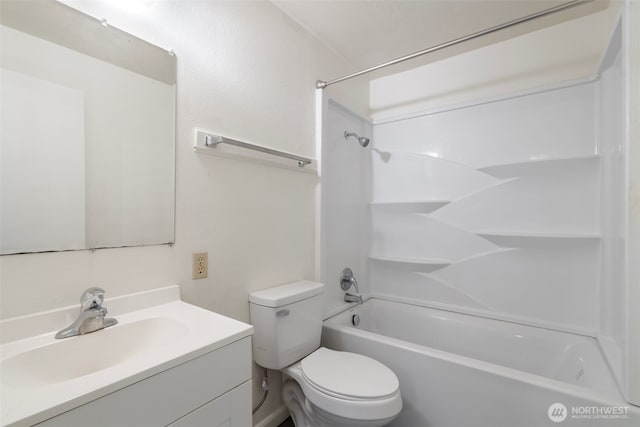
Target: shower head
[{"x": 361, "y": 139}]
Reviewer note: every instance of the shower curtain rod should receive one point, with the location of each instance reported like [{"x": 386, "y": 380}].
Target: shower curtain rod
[{"x": 320, "y": 84}]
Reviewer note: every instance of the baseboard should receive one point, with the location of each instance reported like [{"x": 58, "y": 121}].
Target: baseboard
[{"x": 274, "y": 418}]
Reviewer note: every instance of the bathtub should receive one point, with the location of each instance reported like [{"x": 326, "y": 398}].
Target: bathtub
[{"x": 461, "y": 371}]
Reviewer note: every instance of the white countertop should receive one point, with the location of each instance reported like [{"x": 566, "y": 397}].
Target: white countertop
[{"x": 180, "y": 332}]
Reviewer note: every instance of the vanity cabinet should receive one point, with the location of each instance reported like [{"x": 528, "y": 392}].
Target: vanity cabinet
[{"x": 213, "y": 389}]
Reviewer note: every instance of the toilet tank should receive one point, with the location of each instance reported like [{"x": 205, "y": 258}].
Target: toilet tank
[{"x": 287, "y": 322}]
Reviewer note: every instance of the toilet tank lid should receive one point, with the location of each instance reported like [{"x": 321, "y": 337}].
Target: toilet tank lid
[{"x": 286, "y": 294}]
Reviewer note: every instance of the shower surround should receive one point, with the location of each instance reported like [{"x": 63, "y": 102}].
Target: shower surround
[
  {"x": 509, "y": 210},
  {"x": 493, "y": 209}
]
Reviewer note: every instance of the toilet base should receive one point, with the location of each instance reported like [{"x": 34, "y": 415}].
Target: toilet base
[{"x": 306, "y": 414}]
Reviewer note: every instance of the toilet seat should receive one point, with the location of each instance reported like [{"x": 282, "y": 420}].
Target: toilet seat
[
  {"x": 348, "y": 375},
  {"x": 348, "y": 385}
]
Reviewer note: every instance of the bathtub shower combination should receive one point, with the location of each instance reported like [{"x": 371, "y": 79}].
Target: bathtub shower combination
[
  {"x": 461, "y": 370},
  {"x": 491, "y": 239}
]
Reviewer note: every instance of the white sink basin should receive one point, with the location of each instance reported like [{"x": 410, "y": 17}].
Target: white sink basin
[
  {"x": 70, "y": 358},
  {"x": 41, "y": 377}
]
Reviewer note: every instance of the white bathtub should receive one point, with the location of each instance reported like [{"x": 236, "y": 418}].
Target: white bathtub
[{"x": 462, "y": 371}]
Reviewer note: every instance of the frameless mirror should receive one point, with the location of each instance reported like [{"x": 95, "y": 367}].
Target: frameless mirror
[{"x": 87, "y": 133}]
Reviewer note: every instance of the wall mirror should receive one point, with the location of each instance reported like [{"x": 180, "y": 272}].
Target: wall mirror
[{"x": 87, "y": 144}]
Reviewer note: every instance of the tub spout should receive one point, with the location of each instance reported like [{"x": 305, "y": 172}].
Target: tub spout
[{"x": 353, "y": 298}]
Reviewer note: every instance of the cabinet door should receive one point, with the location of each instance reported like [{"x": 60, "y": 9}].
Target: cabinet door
[{"x": 232, "y": 409}]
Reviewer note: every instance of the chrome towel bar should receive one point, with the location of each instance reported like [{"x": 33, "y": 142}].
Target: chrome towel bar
[{"x": 211, "y": 140}]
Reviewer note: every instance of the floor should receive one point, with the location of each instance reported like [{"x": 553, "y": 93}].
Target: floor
[{"x": 287, "y": 423}]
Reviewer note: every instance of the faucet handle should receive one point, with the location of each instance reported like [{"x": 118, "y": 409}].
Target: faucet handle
[
  {"x": 92, "y": 298},
  {"x": 347, "y": 279}
]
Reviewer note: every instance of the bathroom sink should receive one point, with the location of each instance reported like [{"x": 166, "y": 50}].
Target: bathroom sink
[
  {"x": 41, "y": 376},
  {"x": 70, "y": 358}
]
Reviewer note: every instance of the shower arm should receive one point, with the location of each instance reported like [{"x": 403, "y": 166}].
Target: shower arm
[
  {"x": 361, "y": 139},
  {"x": 320, "y": 84}
]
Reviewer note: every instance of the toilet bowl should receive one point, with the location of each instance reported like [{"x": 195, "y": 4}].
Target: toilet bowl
[
  {"x": 336, "y": 388},
  {"x": 321, "y": 387}
]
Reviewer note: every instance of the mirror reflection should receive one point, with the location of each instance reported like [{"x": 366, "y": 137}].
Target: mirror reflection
[{"x": 87, "y": 133}]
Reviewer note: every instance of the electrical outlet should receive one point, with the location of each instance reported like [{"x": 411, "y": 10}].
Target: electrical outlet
[{"x": 200, "y": 268}]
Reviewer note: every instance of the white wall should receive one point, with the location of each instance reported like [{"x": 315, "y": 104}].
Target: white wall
[
  {"x": 619, "y": 131},
  {"x": 567, "y": 51},
  {"x": 244, "y": 70},
  {"x": 612, "y": 146},
  {"x": 344, "y": 205},
  {"x": 632, "y": 54}
]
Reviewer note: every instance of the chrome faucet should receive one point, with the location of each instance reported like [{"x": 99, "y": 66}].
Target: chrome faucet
[
  {"x": 92, "y": 315},
  {"x": 347, "y": 279}
]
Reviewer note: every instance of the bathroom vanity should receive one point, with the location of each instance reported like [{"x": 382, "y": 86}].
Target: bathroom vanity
[{"x": 166, "y": 362}]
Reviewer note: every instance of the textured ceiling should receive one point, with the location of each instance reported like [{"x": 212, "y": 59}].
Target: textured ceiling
[{"x": 367, "y": 33}]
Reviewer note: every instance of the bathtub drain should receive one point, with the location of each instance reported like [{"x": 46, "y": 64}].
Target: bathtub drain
[{"x": 355, "y": 320}]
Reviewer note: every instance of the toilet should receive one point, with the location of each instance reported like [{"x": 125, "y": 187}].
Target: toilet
[{"x": 321, "y": 387}]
